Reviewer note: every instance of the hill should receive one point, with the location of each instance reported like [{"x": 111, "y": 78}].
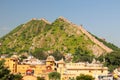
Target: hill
[{"x": 61, "y": 35}]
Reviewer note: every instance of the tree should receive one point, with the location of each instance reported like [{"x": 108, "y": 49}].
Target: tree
[
  {"x": 4, "y": 72},
  {"x": 84, "y": 77},
  {"x": 112, "y": 60},
  {"x": 40, "y": 54},
  {"x": 57, "y": 55},
  {"x": 82, "y": 55},
  {"x": 101, "y": 58},
  {"x": 54, "y": 76},
  {"x": 15, "y": 77},
  {"x": 40, "y": 78},
  {"x": 22, "y": 57}
]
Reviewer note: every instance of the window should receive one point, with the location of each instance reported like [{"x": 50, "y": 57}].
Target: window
[
  {"x": 89, "y": 71},
  {"x": 101, "y": 71}
]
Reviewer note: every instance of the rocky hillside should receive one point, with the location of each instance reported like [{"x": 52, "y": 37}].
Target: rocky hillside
[{"x": 60, "y": 35}]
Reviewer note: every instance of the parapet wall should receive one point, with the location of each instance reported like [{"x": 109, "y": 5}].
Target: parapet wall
[{"x": 95, "y": 40}]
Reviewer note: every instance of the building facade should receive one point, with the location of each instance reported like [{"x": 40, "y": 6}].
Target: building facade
[{"x": 34, "y": 67}]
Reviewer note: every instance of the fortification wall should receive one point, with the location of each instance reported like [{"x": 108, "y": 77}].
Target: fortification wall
[{"x": 95, "y": 40}]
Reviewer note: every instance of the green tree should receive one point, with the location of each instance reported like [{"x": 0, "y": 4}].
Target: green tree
[
  {"x": 40, "y": 78},
  {"x": 101, "y": 58},
  {"x": 4, "y": 72},
  {"x": 40, "y": 54},
  {"x": 54, "y": 76},
  {"x": 82, "y": 55},
  {"x": 15, "y": 77},
  {"x": 57, "y": 55},
  {"x": 112, "y": 60},
  {"x": 22, "y": 57},
  {"x": 84, "y": 77}
]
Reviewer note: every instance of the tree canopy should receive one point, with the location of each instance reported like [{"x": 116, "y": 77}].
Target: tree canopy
[
  {"x": 112, "y": 60},
  {"x": 5, "y": 73},
  {"x": 54, "y": 76},
  {"x": 81, "y": 55},
  {"x": 84, "y": 77},
  {"x": 40, "y": 54},
  {"x": 40, "y": 78},
  {"x": 57, "y": 55}
]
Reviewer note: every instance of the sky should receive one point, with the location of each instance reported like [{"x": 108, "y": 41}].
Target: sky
[{"x": 100, "y": 17}]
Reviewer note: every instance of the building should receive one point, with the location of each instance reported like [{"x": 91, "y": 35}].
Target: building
[
  {"x": 34, "y": 67},
  {"x": 71, "y": 70}
]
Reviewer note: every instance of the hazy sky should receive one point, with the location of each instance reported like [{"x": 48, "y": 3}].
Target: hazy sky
[{"x": 100, "y": 17}]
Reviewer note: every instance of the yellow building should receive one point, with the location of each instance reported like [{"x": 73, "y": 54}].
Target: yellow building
[
  {"x": 71, "y": 70},
  {"x": 30, "y": 68},
  {"x": 35, "y": 67}
]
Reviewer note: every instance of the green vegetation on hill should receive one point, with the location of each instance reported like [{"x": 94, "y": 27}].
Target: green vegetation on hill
[
  {"x": 40, "y": 37},
  {"x": 82, "y": 56},
  {"x": 20, "y": 39},
  {"x": 60, "y": 35}
]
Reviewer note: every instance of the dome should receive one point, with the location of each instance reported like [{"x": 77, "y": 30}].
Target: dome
[
  {"x": 14, "y": 56},
  {"x": 50, "y": 58}
]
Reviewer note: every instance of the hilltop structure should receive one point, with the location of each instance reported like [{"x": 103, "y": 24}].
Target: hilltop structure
[{"x": 32, "y": 67}]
